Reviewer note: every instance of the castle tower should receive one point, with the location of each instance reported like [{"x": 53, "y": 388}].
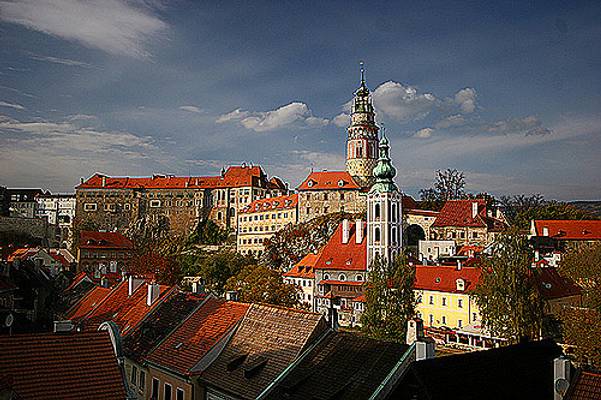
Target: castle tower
[
  {"x": 362, "y": 142},
  {"x": 384, "y": 210}
]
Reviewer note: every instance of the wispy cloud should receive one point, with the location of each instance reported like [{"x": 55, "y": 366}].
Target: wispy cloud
[
  {"x": 12, "y": 105},
  {"x": 193, "y": 109},
  {"x": 58, "y": 60},
  {"x": 293, "y": 114},
  {"x": 115, "y": 26}
]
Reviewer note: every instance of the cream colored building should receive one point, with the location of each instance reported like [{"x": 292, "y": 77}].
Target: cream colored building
[{"x": 261, "y": 219}]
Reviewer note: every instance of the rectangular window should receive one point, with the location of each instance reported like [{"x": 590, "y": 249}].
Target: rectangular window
[
  {"x": 90, "y": 207},
  {"x": 142, "y": 379},
  {"x": 460, "y": 323},
  {"x": 155, "y": 389},
  {"x": 444, "y": 320},
  {"x": 431, "y": 299},
  {"x": 444, "y": 301},
  {"x": 431, "y": 319},
  {"x": 167, "y": 392},
  {"x": 460, "y": 303},
  {"x": 180, "y": 394},
  {"x": 155, "y": 203},
  {"x": 134, "y": 375}
]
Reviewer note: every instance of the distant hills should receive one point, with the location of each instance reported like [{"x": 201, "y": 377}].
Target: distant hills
[{"x": 594, "y": 207}]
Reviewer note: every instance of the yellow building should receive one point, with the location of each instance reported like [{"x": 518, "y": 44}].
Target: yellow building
[
  {"x": 259, "y": 220},
  {"x": 443, "y": 296}
]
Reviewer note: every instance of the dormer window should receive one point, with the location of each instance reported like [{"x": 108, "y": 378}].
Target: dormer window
[
  {"x": 460, "y": 285},
  {"x": 310, "y": 183},
  {"x": 341, "y": 183}
]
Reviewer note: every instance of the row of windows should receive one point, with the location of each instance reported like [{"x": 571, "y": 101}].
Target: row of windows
[
  {"x": 324, "y": 196},
  {"x": 326, "y": 210},
  {"x": 443, "y": 302},
  {"x": 251, "y": 241},
  {"x": 443, "y": 320},
  {"x": 274, "y": 228},
  {"x": 263, "y": 216},
  {"x": 167, "y": 391},
  {"x": 342, "y": 277}
]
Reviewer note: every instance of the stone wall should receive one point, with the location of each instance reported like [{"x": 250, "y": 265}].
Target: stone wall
[
  {"x": 36, "y": 227},
  {"x": 314, "y": 203}
]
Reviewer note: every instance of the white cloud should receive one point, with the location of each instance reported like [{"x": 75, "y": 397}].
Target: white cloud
[
  {"x": 424, "y": 133},
  {"x": 62, "y": 61},
  {"x": 12, "y": 105},
  {"x": 450, "y": 121},
  {"x": 403, "y": 103},
  {"x": 342, "y": 120},
  {"x": 466, "y": 100},
  {"x": 115, "y": 26},
  {"x": 193, "y": 109},
  {"x": 527, "y": 126},
  {"x": 292, "y": 114}
]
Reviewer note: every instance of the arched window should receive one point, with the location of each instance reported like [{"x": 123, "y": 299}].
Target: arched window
[
  {"x": 377, "y": 234},
  {"x": 342, "y": 277},
  {"x": 377, "y": 210},
  {"x": 394, "y": 237},
  {"x": 359, "y": 277},
  {"x": 326, "y": 276},
  {"x": 393, "y": 216}
]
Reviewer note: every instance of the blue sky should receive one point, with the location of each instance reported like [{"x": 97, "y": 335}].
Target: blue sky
[{"x": 506, "y": 91}]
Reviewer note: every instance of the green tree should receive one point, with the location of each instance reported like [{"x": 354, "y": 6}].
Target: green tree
[
  {"x": 507, "y": 295},
  {"x": 582, "y": 330},
  {"x": 390, "y": 299},
  {"x": 208, "y": 232},
  {"x": 448, "y": 185},
  {"x": 215, "y": 269},
  {"x": 582, "y": 264},
  {"x": 259, "y": 284}
]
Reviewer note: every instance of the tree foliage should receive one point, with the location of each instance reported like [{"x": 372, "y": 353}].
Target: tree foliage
[
  {"x": 507, "y": 295},
  {"x": 390, "y": 299},
  {"x": 448, "y": 185},
  {"x": 293, "y": 242},
  {"x": 521, "y": 209},
  {"x": 582, "y": 264},
  {"x": 208, "y": 232},
  {"x": 215, "y": 269},
  {"x": 259, "y": 284},
  {"x": 582, "y": 330}
]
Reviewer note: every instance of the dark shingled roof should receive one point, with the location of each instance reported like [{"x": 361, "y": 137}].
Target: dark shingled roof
[
  {"x": 52, "y": 366},
  {"x": 160, "y": 323},
  {"x": 343, "y": 366},
  {"x": 522, "y": 371},
  {"x": 267, "y": 341}
]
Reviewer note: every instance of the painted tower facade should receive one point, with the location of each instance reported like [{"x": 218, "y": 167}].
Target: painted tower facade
[
  {"x": 362, "y": 142},
  {"x": 384, "y": 210}
]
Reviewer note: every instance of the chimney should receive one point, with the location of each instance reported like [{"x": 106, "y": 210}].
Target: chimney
[
  {"x": 345, "y": 231},
  {"x": 561, "y": 377},
  {"x": 358, "y": 231},
  {"x": 498, "y": 213},
  {"x": 133, "y": 284},
  {"x": 103, "y": 181},
  {"x": 545, "y": 231},
  {"x": 424, "y": 349},
  {"x": 104, "y": 282},
  {"x": 474, "y": 209},
  {"x": 198, "y": 288},
  {"x": 81, "y": 180},
  {"x": 152, "y": 294},
  {"x": 231, "y": 295},
  {"x": 333, "y": 313},
  {"x": 459, "y": 265},
  {"x": 415, "y": 330}
]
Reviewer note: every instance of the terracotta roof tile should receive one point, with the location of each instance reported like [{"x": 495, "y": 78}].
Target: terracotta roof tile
[
  {"x": 305, "y": 268},
  {"x": 158, "y": 324},
  {"x": 570, "y": 229},
  {"x": 61, "y": 366},
  {"x": 459, "y": 213},
  {"x": 87, "y": 303},
  {"x": 586, "y": 385},
  {"x": 103, "y": 240},
  {"x": 553, "y": 286},
  {"x": 329, "y": 180},
  {"x": 191, "y": 341},
  {"x": 345, "y": 257},
  {"x": 444, "y": 278},
  {"x": 266, "y": 342}
]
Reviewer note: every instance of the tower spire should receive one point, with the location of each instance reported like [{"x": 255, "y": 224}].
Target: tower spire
[{"x": 362, "y": 68}]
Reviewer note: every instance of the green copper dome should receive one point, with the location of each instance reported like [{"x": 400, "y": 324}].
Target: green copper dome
[{"x": 384, "y": 171}]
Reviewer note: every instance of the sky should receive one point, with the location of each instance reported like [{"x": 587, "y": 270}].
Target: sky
[{"x": 506, "y": 91}]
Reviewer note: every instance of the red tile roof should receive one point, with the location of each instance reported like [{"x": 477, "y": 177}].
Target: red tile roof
[
  {"x": 570, "y": 229},
  {"x": 426, "y": 213},
  {"x": 103, "y": 240},
  {"x": 77, "y": 280},
  {"x": 554, "y": 286},
  {"x": 125, "y": 311},
  {"x": 193, "y": 339},
  {"x": 87, "y": 303},
  {"x": 329, "y": 180},
  {"x": 271, "y": 203},
  {"x": 61, "y": 366},
  {"x": 61, "y": 259},
  {"x": 235, "y": 176},
  {"x": 466, "y": 250},
  {"x": 345, "y": 257},
  {"x": 586, "y": 385},
  {"x": 444, "y": 278},
  {"x": 459, "y": 213},
  {"x": 305, "y": 268}
]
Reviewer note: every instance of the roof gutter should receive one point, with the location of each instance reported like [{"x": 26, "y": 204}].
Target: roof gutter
[
  {"x": 290, "y": 367},
  {"x": 395, "y": 374}
]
